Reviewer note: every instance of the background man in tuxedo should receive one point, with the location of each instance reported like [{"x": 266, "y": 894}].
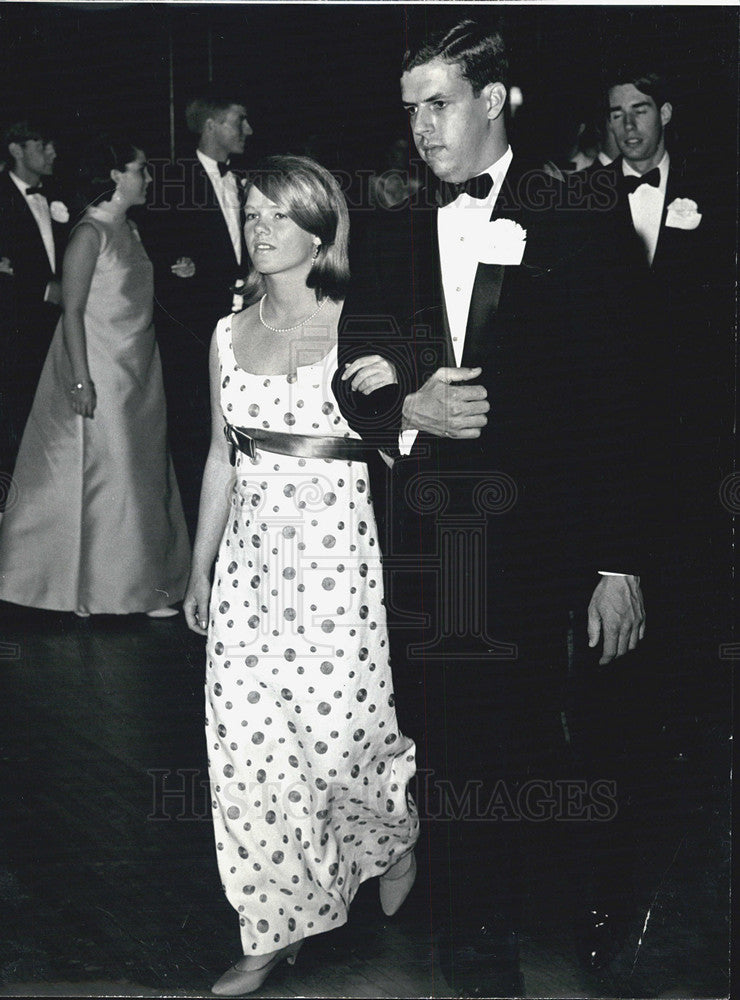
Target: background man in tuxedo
[
  {"x": 678, "y": 205},
  {"x": 195, "y": 227},
  {"x": 32, "y": 236},
  {"x": 513, "y": 485}
]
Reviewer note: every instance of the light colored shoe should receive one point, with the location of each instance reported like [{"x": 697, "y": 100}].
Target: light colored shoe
[
  {"x": 82, "y": 614},
  {"x": 237, "y": 981},
  {"x": 396, "y": 884},
  {"x": 162, "y": 613}
]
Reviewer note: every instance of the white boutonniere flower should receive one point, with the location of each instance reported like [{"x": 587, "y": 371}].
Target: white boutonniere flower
[
  {"x": 683, "y": 213},
  {"x": 502, "y": 242},
  {"x": 59, "y": 211}
]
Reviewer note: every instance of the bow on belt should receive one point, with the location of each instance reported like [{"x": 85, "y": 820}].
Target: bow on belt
[{"x": 246, "y": 439}]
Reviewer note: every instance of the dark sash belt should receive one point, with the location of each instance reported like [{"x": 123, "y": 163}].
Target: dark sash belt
[{"x": 246, "y": 439}]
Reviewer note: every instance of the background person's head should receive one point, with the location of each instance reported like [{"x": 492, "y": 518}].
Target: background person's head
[
  {"x": 638, "y": 111},
  {"x": 24, "y": 148},
  {"x": 311, "y": 198},
  {"x": 111, "y": 166},
  {"x": 220, "y": 122}
]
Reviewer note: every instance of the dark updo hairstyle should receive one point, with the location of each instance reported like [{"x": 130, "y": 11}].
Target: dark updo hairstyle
[
  {"x": 312, "y": 198},
  {"x": 103, "y": 154}
]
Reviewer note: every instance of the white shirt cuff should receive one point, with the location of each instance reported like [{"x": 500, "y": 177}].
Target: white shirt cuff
[
  {"x": 605, "y": 572},
  {"x": 406, "y": 441}
]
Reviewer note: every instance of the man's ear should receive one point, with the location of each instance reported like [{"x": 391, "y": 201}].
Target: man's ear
[
  {"x": 495, "y": 95},
  {"x": 666, "y": 113},
  {"x": 15, "y": 149}
]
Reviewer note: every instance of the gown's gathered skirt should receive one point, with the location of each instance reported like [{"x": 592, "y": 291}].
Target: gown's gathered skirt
[
  {"x": 97, "y": 524},
  {"x": 308, "y": 769}
]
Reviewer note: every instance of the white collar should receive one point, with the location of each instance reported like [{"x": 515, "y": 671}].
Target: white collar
[
  {"x": 497, "y": 172},
  {"x": 629, "y": 171},
  {"x": 22, "y": 186},
  {"x": 209, "y": 164},
  {"x": 498, "y": 169}
]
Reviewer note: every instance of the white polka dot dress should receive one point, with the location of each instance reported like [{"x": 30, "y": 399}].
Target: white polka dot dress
[{"x": 308, "y": 769}]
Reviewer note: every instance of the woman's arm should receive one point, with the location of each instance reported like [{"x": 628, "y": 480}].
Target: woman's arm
[
  {"x": 218, "y": 480},
  {"x": 79, "y": 265}
]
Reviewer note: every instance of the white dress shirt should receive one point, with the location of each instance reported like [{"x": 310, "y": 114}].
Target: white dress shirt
[
  {"x": 40, "y": 209},
  {"x": 228, "y": 198},
  {"x": 646, "y": 206}
]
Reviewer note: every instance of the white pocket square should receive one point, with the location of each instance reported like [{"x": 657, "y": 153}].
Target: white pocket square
[{"x": 683, "y": 213}]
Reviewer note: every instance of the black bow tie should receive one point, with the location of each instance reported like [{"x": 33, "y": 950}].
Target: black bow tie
[
  {"x": 632, "y": 183},
  {"x": 477, "y": 187},
  {"x": 34, "y": 190},
  {"x": 223, "y": 168}
]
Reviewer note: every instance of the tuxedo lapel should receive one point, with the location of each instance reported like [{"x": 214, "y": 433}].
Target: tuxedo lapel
[
  {"x": 428, "y": 304},
  {"x": 489, "y": 278},
  {"x": 206, "y": 195},
  {"x": 29, "y": 244},
  {"x": 664, "y": 236},
  {"x": 677, "y": 244}
]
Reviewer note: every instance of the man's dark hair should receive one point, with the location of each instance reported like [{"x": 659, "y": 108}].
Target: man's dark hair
[
  {"x": 479, "y": 52},
  {"x": 20, "y": 132},
  {"x": 649, "y": 82},
  {"x": 208, "y": 104}
]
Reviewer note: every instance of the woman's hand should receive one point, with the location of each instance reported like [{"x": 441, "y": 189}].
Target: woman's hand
[
  {"x": 84, "y": 399},
  {"x": 5, "y": 266},
  {"x": 184, "y": 267},
  {"x": 369, "y": 373},
  {"x": 195, "y": 604}
]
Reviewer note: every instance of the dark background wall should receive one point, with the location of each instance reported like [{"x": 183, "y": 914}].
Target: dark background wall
[{"x": 325, "y": 76}]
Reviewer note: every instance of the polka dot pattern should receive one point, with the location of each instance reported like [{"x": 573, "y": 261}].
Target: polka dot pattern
[{"x": 308, "y": 769}]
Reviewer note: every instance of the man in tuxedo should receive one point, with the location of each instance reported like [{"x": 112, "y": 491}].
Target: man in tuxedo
[
  {"x": 676, "y": 207},
  {"x": 194, "y": 227},
  {"x": 32, "y": 234},
  {"x": 512, "y": 532}
]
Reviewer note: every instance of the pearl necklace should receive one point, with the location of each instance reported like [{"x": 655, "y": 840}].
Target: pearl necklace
[{"x": 288, "y": 329}]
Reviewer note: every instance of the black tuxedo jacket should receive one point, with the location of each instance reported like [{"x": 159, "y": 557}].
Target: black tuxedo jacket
[
  {"x": 553, "y": 474},
  {"x": 20, "y": 240},
  {"x": 689, "y": 345},
  {"x": 184, "y": 219}
]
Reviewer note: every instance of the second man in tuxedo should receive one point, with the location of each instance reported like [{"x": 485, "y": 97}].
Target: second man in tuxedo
[
  {"x": 681, "y": 210},
  {"x": 33, "y": 230},
  {"x": 195, "y": 227}
]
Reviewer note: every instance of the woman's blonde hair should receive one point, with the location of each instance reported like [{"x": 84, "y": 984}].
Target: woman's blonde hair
[{"x": 312, "y": 198}]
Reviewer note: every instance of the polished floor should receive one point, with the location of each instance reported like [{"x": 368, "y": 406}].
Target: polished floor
[{"x": 108, "y": 881}]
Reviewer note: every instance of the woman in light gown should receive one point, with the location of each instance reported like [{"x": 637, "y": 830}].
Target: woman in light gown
[
  {"x": 98, "y": 525},
  {"x": 309, "y": 771}
]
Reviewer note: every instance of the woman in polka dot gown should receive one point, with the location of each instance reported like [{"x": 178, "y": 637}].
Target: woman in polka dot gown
[{"x": 309, "y": 771}]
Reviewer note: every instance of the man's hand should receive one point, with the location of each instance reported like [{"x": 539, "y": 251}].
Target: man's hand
[
  {"x": 447, "y": 410},
  {"x": 5, "y": 266},
  {"x": 184, "y": 267},
  {"x": 369, "y": 373},
  {"x": 616, "y": 614}
]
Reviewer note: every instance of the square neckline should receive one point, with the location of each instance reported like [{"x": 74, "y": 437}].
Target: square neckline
[{"x": 286, "y": 375}]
